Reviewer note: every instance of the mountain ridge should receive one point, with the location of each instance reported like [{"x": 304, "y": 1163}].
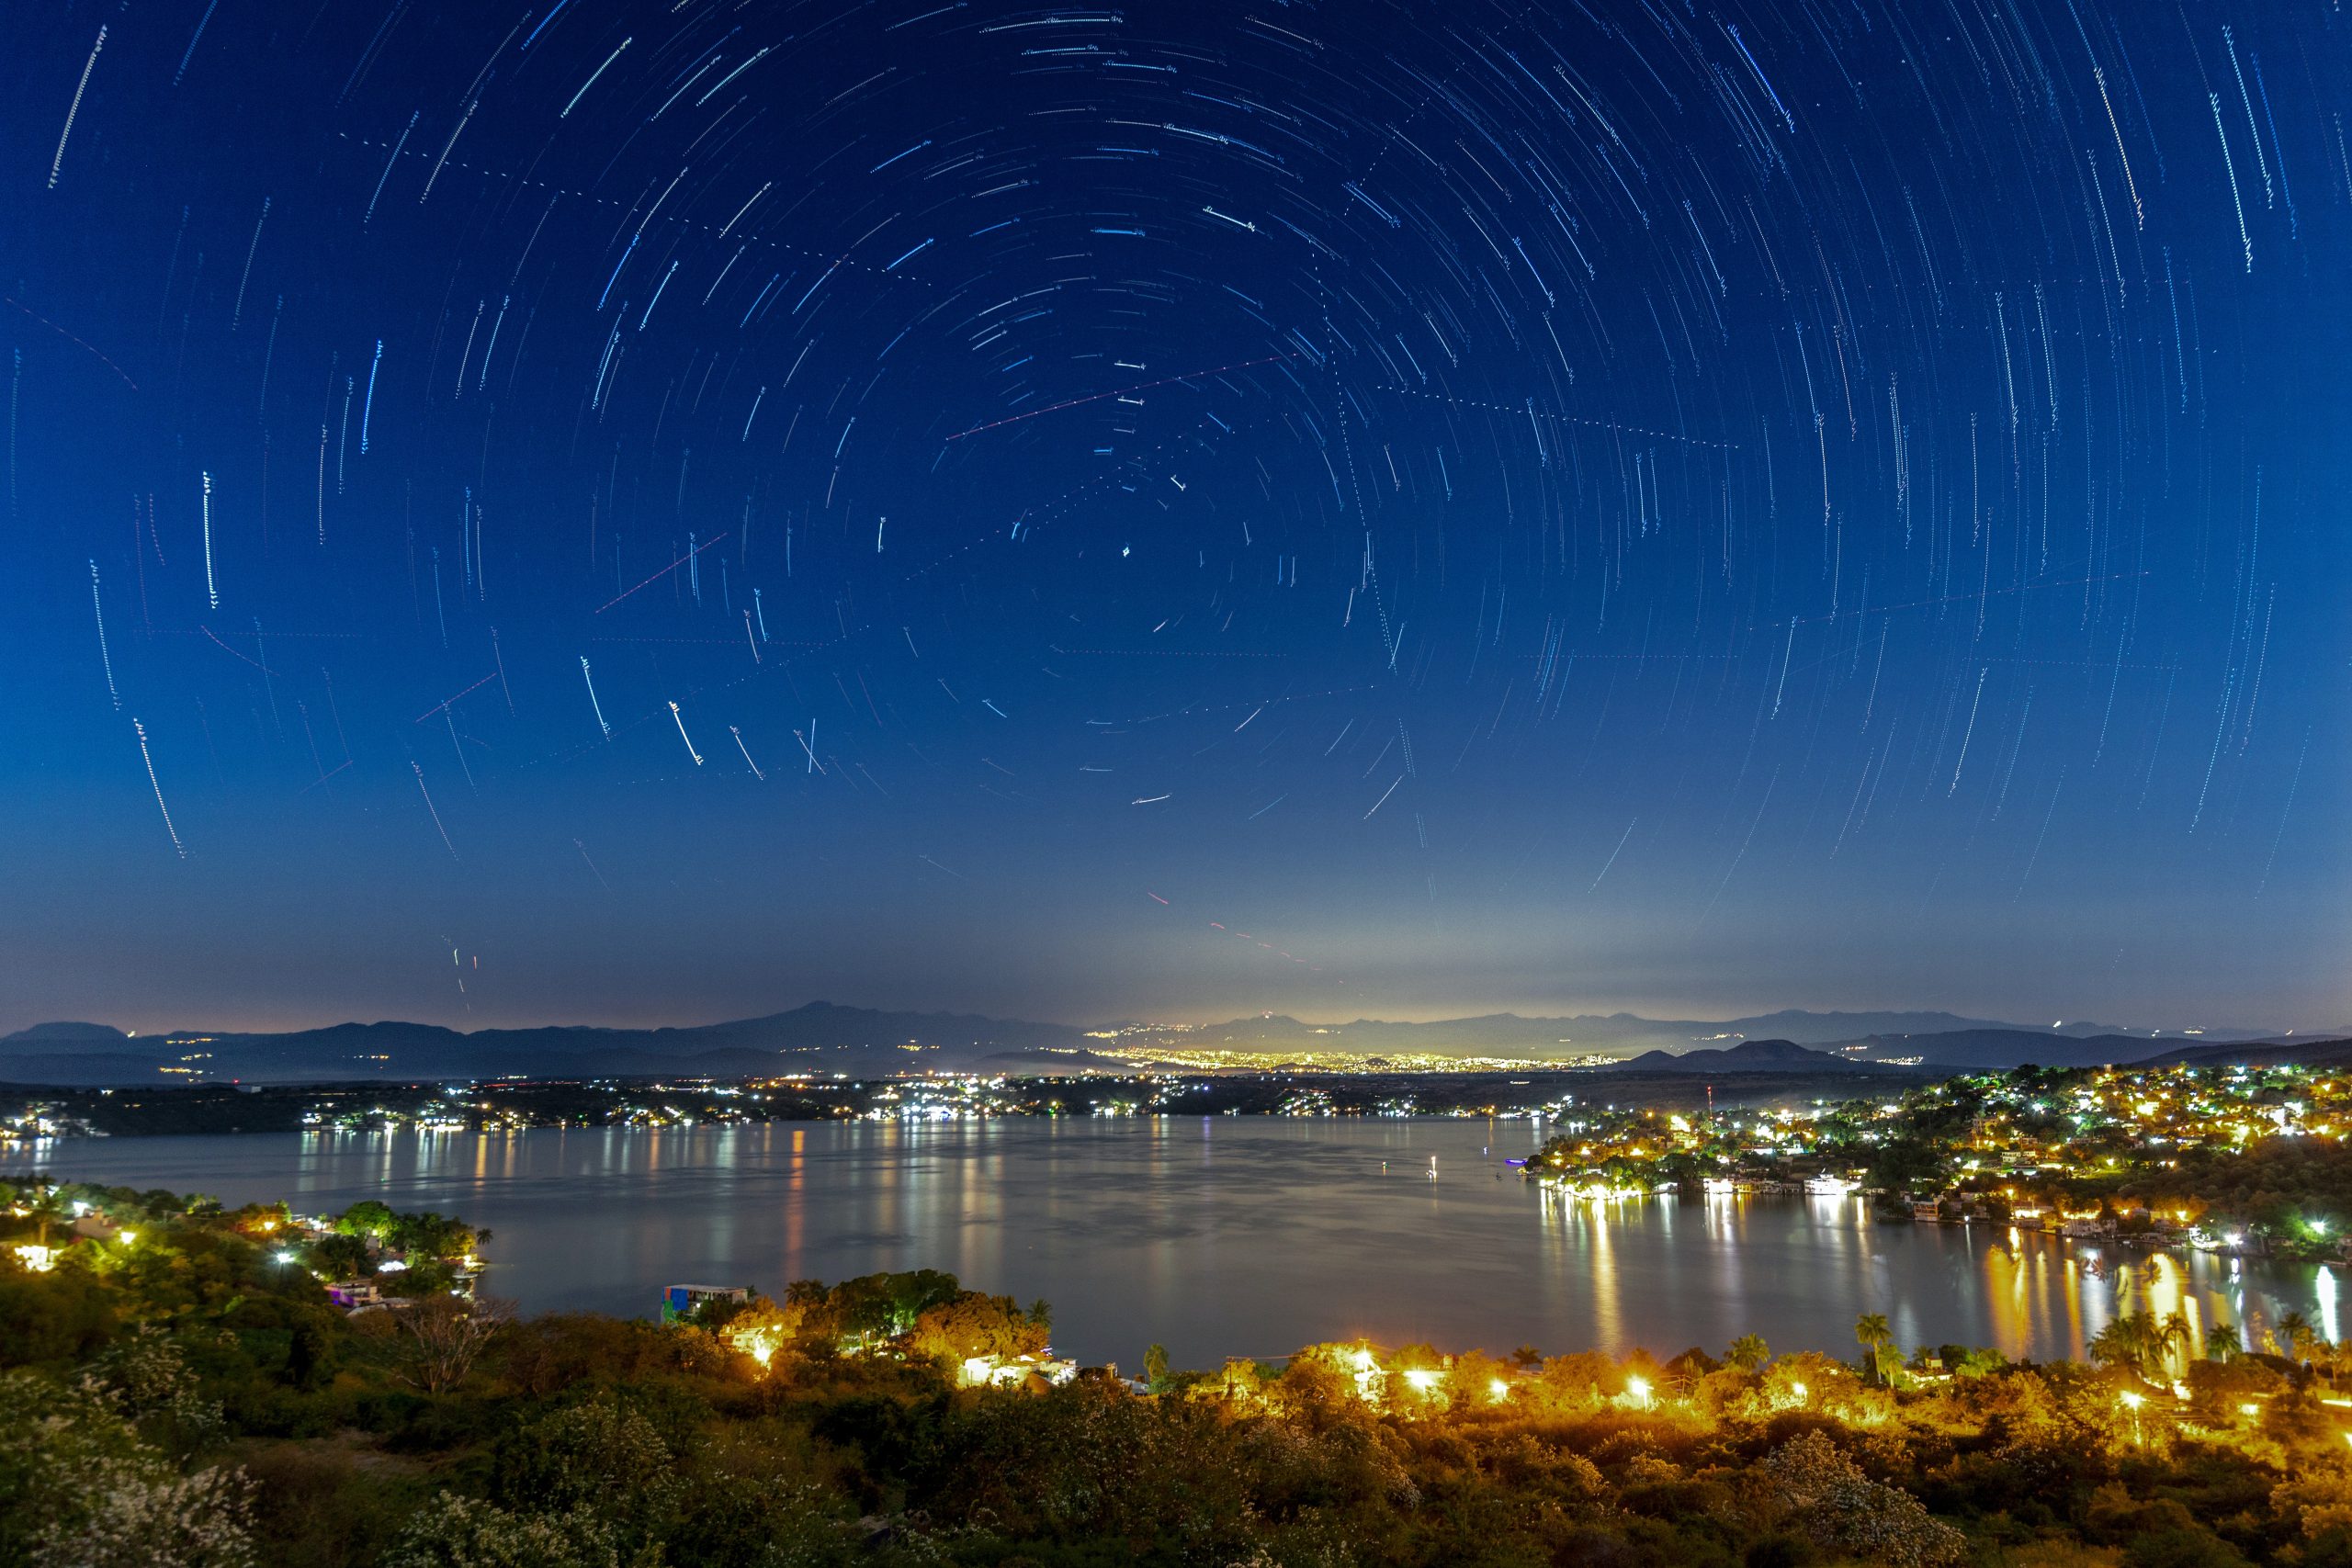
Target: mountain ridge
[
  {"x": 823, "y": 1036},
  {"x": 1749, "y": 1056}
]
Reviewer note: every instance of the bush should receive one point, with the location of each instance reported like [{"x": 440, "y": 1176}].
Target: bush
[
  {"x": 458, "y": 1533},
  {"x": 79, "y": 1488}
]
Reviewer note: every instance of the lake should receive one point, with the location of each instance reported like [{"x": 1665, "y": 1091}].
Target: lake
[{"x": 1215, "y": 1236}]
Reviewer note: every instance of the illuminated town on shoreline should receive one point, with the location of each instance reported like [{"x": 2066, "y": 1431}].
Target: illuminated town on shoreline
[{"x": 2166, "y": 1155}]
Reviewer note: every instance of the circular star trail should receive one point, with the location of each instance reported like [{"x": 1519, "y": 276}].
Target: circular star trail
[{"x": 657, "y": 511}]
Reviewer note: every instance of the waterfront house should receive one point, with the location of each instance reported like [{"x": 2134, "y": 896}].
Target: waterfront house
[
  {"x": 356, "y": 1295},
  {"x": 1027, "y": 1371},
  {"x": 680, "y": 1302}
]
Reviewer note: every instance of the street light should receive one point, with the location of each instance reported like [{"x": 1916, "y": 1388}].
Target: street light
[{"x": 1639, "y": 1389}]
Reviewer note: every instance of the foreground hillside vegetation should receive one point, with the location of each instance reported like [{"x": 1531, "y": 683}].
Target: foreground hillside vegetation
[{"x": 178, "y": 1387}]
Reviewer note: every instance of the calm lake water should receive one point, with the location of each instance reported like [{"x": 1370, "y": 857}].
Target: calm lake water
[{"x": 1232, "y": 1236}]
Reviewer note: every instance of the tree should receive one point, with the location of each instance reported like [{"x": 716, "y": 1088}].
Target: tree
[
  {"x": 309, "y": 1355},
  {"x": 2294, "y": 1335},
  {"x": 872, "y": 1306},
  {"x": 1819, "y": 1491},
  {"x": 1748, "y": 1353},
  {"x": 343, "y": 1257},
  {"x": 1477, "y": 1381},
  {"x": 428, "y": 1235},
  {"x": 47, "y": 1208},
  {"x": 2174, "y": 1337},
  {"x": 366, "y": 1218},
  {"x": 445, "y": 1334},
  {"x": 2119, "y": 1343},
  {"x": 974, "y": 1325},
  {"x": 1316, "y": 1395},
  {"x": 1983, "y": 1361},
  {"x": 1155, "y": 1366},
  {"x": 54, "y": 1316},
  {"x": 1877, "y": 1340},
  {"x": 1907, "y": 1162},
  {"x": 2142, "y": 1342},
  {"x": 601, "y": 1457}
]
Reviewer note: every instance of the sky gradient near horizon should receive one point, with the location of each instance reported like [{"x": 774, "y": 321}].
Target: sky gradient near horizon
[{"x": 632, "y": 513}]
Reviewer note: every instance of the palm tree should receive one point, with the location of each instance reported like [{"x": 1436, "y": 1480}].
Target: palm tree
[
  {"x": 2294, "y": 1335},
  {"x": 47, "y": 1207},
  {"x": 1876, "y": 1338},
  {"x": 1748, "y": 1352},
  {"x": 2221, "y": 1341},
  {"x": 2119, "y": 1343},
  {"x": 2173, "y": 1338},
  {"x": 2140, "y": 1341}
]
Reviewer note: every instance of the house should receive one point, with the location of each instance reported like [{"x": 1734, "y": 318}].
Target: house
[
  {"x": 356, "y": 1295},
  {"x": 1032, "y": 1373},
  {"x": 679, "y": 1302}
]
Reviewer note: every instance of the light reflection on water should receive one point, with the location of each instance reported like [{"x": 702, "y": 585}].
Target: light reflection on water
[{"x": 1231, "y": 1236}]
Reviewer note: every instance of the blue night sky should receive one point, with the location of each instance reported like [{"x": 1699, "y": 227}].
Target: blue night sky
[{"x": 1386, "y": 508}]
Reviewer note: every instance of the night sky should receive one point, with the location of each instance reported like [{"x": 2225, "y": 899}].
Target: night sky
[{"x": 622, "y": 513}]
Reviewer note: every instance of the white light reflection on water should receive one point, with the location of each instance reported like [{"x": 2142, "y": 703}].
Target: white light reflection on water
[{"x": 1246, "y": 1236}]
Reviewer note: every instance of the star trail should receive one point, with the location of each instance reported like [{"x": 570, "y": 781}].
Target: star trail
[{"x": 1558, "y": 507}]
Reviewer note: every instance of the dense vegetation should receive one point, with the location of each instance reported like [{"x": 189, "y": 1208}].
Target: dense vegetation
[{"x": 177, "y": 1388}]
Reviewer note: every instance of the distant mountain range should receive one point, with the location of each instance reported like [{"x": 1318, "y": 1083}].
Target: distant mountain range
[
  {"x": 1623, "y": 1034},
  {"x": 818, "y": 1037},
  {"x": 822, "y": 1037},
  {"x": 2317, "y": 1052}
]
